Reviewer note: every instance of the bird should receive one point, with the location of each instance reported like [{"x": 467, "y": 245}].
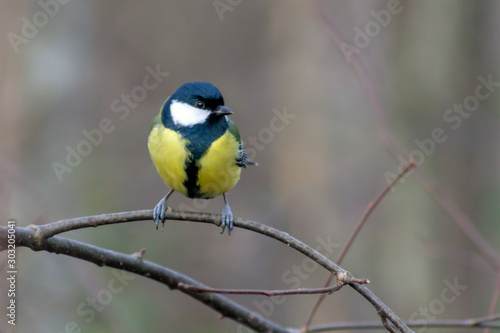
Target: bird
[{"x": 196, "y": 148}]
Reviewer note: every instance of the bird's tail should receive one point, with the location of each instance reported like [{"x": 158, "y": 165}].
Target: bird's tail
[{"x": 252, "y": 162}]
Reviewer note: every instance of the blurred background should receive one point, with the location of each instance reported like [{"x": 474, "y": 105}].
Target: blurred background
[{"x": 303, "y": 111}]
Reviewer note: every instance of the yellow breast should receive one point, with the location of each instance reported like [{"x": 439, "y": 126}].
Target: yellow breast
[
  {"x": 218, "y": 172},
  {"x": 217, "y": 169},
  {"x": 169, "y": 155}
]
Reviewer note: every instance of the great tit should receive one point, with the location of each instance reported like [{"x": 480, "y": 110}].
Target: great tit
[{"x": 196, "y": 148}]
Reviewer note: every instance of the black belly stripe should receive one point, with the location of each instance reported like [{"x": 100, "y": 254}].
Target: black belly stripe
[
  {"x": 191, "y": 183},
  {"x": 198, "y": 144}
]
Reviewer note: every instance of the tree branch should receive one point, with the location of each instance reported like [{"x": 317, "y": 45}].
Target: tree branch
[
  {"x": 482, "y": 322},
  {"x": 387, "y": 325},
  {"x": 42, "y": 238},
  {"x": 131, "y": 263},
  {"x": 43, "y": 232}
]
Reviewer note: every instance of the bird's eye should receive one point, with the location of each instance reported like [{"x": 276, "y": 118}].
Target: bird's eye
[{"x": 199, "y": 104}]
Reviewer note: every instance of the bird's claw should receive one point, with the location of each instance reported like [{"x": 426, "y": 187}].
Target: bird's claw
[
  {"x": 159, "y": 213},
  {"x": 227, "y": 220}
]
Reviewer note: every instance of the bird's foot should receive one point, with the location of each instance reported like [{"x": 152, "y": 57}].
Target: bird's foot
[
  {"x": 227, "y": 220},
  {"x": 160, "y": 210},
  {"x": 159, "y": 213}
]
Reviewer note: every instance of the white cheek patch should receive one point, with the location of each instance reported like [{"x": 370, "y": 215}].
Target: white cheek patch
[{"x": 186, "y": 115}]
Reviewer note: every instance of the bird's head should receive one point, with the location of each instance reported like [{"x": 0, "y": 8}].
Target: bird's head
[{"x": 196, "y": 103}]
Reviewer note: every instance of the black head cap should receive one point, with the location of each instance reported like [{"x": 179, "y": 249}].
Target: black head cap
[{"x": 192, "y": 92}]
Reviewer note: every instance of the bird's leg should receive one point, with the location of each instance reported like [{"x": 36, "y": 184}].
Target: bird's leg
[
  {"x": 160, "y": 209},
  {"x": 227, "y": 217}
]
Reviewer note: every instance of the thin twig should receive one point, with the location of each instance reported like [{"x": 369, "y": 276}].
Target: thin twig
[
  {"x": 461, "y": 220},
  {"x": 370, "y": 208},
  {"x": 450, "y": 207},
  {"x": 371, "y": 325},
  {"x": 299, "y": 291},
  {"x": 269, "y": 293},
  {"x": 485, "y": 319},
  {"x": 35, "y": 237},
  {"x": 494, "y": 300},
  {"x": 391, "y": 143}
]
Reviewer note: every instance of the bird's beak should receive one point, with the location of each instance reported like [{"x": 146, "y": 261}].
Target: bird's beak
[{"x": 221, "y": 110}]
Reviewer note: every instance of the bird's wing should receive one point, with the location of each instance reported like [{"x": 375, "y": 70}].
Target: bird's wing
[
  {"x": 156, "y": 121},
  {"x": 234, "y": 130},
  {"x": 241, "y": 157}
]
